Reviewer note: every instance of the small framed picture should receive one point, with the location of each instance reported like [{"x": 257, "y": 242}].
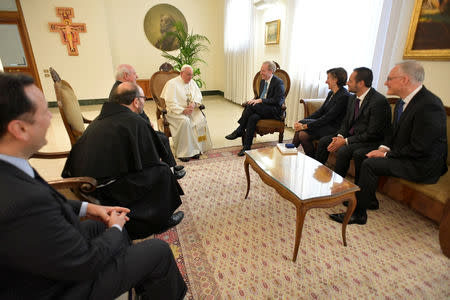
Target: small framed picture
[{"x": 272, "y": 32}]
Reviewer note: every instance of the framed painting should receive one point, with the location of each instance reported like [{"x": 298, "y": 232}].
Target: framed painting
[
  {"x": 429, "y": 31},
  {"x": 272, "y": 32}
]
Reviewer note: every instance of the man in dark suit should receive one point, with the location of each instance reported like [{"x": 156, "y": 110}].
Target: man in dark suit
[
  {"x": 46, "y": 252},
  {"x": 267, "y": 106},
  {"x": 126, "y": 73},
  {"x": 367, "y": 120},
  {"x": 416, "y": 149}
]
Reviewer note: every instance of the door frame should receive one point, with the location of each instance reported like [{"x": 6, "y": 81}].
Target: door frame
[{"x": 16, "y": 17}]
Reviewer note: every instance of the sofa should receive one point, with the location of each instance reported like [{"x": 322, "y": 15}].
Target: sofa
[{"x": 430, "y": 200}]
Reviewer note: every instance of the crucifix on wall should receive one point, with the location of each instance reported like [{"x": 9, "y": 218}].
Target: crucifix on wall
[{"x": 68, "y": 31}]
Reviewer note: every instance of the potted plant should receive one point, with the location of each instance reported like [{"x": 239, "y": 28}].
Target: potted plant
[{"x": 191, "y": 45}]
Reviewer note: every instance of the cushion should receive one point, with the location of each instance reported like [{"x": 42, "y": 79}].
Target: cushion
[
  {"x": 437, "y": 191},
  {"x": 69, "y": 104}
]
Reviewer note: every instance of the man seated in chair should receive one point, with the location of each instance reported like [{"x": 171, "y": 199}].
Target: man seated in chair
[
  {"x": 121, "y": 150},
  {"x": 267, "y": 106},
  {"x": 126, "y": 73},
  {"x": 47, "y": 253},
  {"x": 187, "y": 123}
]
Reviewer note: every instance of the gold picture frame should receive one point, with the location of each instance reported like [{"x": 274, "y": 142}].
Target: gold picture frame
[
  {"x": 272, "y": 33},
  {"x": 428, "y": 36}
]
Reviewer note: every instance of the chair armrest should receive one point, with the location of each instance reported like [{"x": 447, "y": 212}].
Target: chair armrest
[
  {"x": 162, "y": 110},
  {"x": 86, "y": 121},
  {"x": 78, "y": 185},
  {"x": 311, "y": 105},
  {"x": 50, "y": 155}
]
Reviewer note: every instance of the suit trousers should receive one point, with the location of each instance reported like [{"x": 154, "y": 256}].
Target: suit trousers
[
  {"x": 344, "y": 155},
  {"x": 250, "y": 116},
  {"x": 148, "y": 266},
  {"x": 169, "y": 159}
]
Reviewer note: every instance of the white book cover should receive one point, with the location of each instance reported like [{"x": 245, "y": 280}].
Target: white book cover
[{"x": 284, "y": 150}]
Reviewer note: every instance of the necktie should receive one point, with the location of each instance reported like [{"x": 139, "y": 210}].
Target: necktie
[
  {"x": 264, "y": 91},
  {"x": 400, "y": 109},
  {"x": 352, "y": 130}
]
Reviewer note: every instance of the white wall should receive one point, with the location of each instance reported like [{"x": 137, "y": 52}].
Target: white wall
[
  {"x": 90, "y": 74},
  {"x": 130, "y": 45},
  {"x": 274, "y": 51}
]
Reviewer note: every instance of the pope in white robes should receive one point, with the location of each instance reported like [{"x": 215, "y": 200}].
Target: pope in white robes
[{"x": 187, "y": 122}]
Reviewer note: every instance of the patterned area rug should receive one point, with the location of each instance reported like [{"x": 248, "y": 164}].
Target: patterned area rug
[{"x": 230, "y": 247}]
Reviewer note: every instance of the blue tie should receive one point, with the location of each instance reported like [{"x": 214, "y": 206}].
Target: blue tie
[
  {"x": 400, "y": 109},
  {"x": 264, "y": 91}
]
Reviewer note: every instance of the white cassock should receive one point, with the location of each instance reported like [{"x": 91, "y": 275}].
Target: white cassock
[{"x": 190, "y": 134}]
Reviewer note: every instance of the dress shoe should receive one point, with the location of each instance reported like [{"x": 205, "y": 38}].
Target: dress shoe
[
  {"x": 373, "y": 205},
  {"x": 179, "y": 174},
  {"x": 178, "y": 168},
  {"x": 234, "y": 135},
  {"x": 242, "y": 152},
  {"x": 360, "y": 218},
  {"x": 174, "y": 220},
  {"x": 196, "y": 156},
  {"x": 184, "y": 159}
]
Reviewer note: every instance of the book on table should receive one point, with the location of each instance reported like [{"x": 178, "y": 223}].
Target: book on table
[{"x": 284, "y": 150}]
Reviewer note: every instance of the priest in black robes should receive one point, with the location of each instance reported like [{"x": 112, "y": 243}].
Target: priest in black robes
[{"x": 122, "y": 151}]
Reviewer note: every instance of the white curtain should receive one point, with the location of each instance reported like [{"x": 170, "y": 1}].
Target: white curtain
[
  {"x": 324, "y": 34},
  {"x": 238, "y": 46}
]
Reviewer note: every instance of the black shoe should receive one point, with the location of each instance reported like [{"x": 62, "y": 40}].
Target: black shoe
[
  {"x": 174, "y": 220},
  {"x": 178, "y": 168},
  {"x": 242, "y": 152},
  {"x": 179, "y": 174},
  {"x": 196, "y": 156},
  {"x": 234, "y": 135},
  {"x": 184, "y": 159},
  {"x": 374, "y": 205},
  {"x": 360, "y": 219}
]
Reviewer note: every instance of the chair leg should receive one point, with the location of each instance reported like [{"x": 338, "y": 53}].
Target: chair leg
[{"x": 280, "y": 136}]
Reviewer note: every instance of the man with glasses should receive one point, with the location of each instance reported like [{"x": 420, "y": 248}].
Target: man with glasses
[
  {"x": 126, "y": 73},
  {"x": 121, "y": 150},
  {"x": 415, "y": 149}
]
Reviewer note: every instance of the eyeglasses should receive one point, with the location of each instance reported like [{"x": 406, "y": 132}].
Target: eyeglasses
[{"x": 393, "y": 77}]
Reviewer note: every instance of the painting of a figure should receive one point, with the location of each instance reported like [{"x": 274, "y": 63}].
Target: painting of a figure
[
  {"x": 159, "y": 20},
  {"x": 429, "y": 32}
]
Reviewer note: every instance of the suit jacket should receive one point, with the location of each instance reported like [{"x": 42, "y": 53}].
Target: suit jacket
[
  {"x": 327, "y": 119},
  {"x": 43, "y": 249},
  {"x": 274, "y": 97},
  {"x": 373, "y": 121},
  {"x": 419, "y": 138}
]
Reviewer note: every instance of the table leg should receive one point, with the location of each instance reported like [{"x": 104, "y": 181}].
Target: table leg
[
  {"x": 301, "y": 212},
  {"x": 350, "y": 210},
  {"x": 247, "y": 174}
]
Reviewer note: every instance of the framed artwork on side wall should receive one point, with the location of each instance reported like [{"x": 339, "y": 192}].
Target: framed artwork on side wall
[
  {"x": 272, "y": 32},
  {"x": 429, "y": 31}
]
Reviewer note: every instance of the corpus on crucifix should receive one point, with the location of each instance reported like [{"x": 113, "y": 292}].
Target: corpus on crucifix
[{"x": 69, "y": 32}]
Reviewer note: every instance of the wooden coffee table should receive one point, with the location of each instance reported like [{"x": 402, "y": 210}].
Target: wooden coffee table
[{"x": 303, "y": 181}]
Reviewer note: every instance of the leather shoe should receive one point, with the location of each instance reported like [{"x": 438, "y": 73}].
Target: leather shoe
[
  {"x": 174, "y": 220},
  {"x": 360, "y": 219},
  {"x": 242, "y": 152},
  {"x": 196, "y": 156},
  {"x": 373, "y": 205},
  {"x": 178, "y": 167},
  {"x": 184, "y": 159},
  {"x": 179, "y": 174},
  {"x": 234, "y": 135}
]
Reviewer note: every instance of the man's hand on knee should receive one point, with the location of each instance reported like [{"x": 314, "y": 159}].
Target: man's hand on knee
[{"x": 336, "y": 143}]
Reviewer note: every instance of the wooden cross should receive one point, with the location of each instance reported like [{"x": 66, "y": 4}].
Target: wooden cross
[{"x": 68, "y": 31}]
